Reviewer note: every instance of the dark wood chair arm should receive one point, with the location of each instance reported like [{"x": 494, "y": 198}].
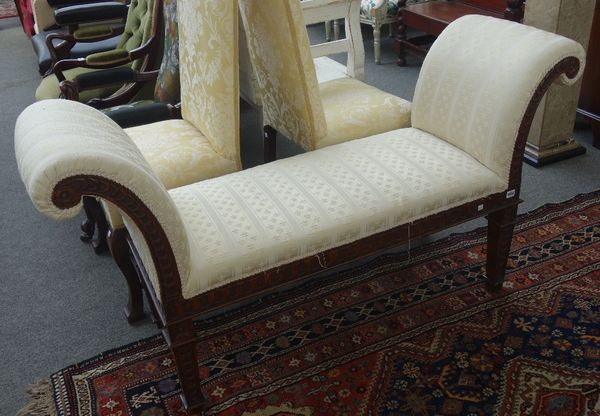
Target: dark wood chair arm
[{"x": 59, "y": 52}]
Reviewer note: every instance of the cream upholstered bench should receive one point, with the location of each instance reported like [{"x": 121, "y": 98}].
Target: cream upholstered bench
[{"x": 211, "y": 244}]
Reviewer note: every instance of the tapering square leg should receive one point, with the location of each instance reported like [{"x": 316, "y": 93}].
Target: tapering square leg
[
  {"x": 183, "y": 338},
  {"x": 500, "y": 231}
]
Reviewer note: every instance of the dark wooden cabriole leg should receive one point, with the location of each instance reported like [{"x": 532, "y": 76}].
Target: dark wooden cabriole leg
[
  {"x": 95, "y": 223},
  {"x": 182, "y": 340},
  {"x": 88, "y": 225},
  {"x": 500, "y": 231},
  {"x": 270, "y": 144},
  {"x": 117, "y": 242}
]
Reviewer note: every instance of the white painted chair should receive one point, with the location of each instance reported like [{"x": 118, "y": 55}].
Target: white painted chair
[{"x": 375, "y": 13}]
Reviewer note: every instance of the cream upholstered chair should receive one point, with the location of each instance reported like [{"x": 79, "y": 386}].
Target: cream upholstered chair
[
  {"x": 327, "y": 69},
  {"x": 221, "y": 241},
  {"x": 205, "y": 142},
  {"x": 312, "y": 114}
]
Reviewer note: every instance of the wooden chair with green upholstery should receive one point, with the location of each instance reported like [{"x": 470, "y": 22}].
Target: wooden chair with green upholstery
[{"x": 138, "y": 50}]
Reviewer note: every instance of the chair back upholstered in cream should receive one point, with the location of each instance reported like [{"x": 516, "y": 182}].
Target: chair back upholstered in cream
[
  {"x": 289, "y": 94},
  {"x": 209, "y": 68},
  {"x": 471, "y": 93},
  {"x": 59, "y": 139}
]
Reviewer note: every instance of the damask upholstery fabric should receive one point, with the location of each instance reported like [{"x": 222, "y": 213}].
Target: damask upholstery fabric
[
  {"x": 345, "y": 102},
  {"x": 471, "y": 94},
  {"x": 250, "y": 221},
  {"x": 178, "y": 154},
  {"x": 284, "y": 69},
  {"x": 58, "y": 139},
  {"x": 350, "y": 109},
  {"x": 209, "y": 72}
]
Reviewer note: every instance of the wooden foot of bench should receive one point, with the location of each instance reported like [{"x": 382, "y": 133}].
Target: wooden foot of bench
[
  {"x": 117, "y": 242},
  {"x": 182, "y": 337},
  {"x": 500, "y": 231}
]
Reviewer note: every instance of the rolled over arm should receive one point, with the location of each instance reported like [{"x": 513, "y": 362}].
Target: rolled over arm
[{"x": 66, "y": 150}]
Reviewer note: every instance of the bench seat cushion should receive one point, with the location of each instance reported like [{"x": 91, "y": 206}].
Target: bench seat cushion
[
  {"x": 250, "y": 221},
  {"x": 354, "y": 110}
]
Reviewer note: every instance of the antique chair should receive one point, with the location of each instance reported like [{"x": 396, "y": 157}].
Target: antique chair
[
  {"x": 378, "y": 13},
  {"x": 431, "y": 17},
  {"x": 205, "y": 143},
  {"x": 93, "y": 26},
  {"x": 221, "y": 241},
  {"x": 138, "y": 48},
  {"x": 43, "y": 11},
  {"x": 166, "y": 105},
  {"x": 334, "y": 110},
  {"x": 165, "y": 81}
]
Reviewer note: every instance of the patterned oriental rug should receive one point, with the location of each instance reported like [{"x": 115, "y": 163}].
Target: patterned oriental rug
[
  {"x": 8, "y": 9},
  {"x": 392, "y": 337}
]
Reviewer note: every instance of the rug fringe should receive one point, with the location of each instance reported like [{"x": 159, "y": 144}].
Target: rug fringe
[{"x": 42, "y": 403}]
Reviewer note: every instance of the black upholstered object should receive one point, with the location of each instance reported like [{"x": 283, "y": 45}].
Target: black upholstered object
[
  {"x": 90, "y": 12},
  {"x": 80, "y": 50}
]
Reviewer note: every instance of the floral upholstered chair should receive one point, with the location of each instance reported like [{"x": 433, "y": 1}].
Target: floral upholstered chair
[
  {"x": 289, "y": 91},
  {"x": 138, "y": 49},
  {"x": 166, "y": 105},
  {"x": 204, "y": 143},
  {"x": 378, "y": 13}
]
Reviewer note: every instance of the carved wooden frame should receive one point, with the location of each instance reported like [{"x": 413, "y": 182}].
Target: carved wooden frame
[{"x": 175, "y": 314}]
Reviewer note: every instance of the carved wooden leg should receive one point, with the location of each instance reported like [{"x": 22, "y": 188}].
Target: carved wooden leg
[
  {"x": 500, "y": 231},
  {"x": 88, "y": 225},
  {"x": 399, "y": 42},
  {"x": 269, "y": 144},
  {"x": 117, "y": 242},
  {"x": 377, "y": 42},
  {"x": 183, "y": 337},
  {"x": 99, "y": 244},
  {"x": 94, "y": 224}
]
